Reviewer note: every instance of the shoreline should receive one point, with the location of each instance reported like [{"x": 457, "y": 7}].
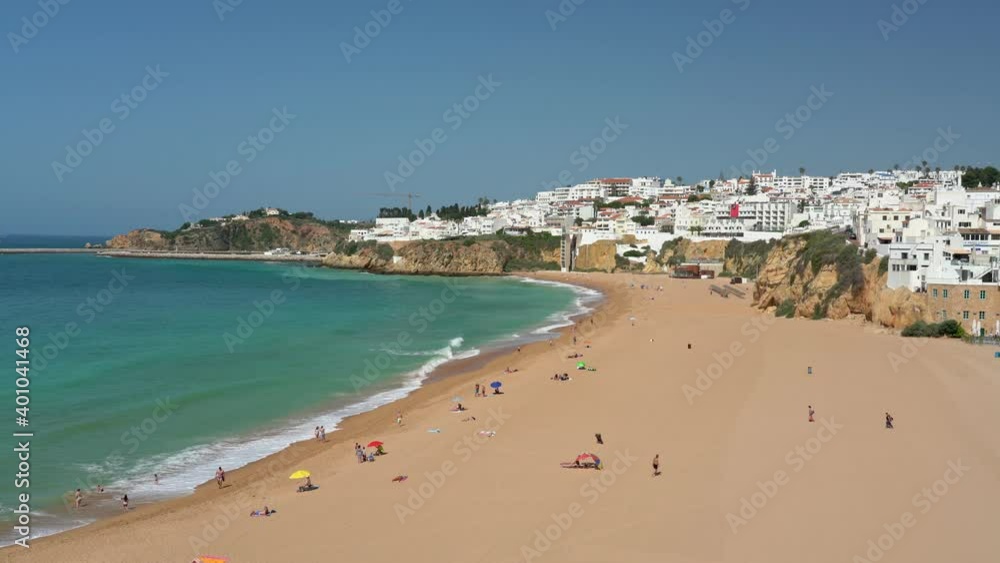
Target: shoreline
[
  {"x": 589, "y": 299},
  {"x": 713, "y": 388}
]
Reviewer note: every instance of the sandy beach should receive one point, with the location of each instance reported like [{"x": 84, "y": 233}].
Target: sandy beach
[{"x": 745, "y": 477}]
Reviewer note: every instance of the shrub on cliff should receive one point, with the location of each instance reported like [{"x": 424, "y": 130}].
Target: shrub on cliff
[
  {"x": 384, "y": 252},
  {"x": 747, "y": 258},
  {"x": 825, "y": 248},
  {"x": 786, "y": 309}
]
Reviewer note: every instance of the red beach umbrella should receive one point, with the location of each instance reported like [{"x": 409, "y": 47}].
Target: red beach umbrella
[{"x": 374, "y": 444}]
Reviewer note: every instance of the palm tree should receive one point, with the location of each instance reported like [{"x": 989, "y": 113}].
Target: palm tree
[
  {"x": 895, "y": 167},
  {"x": 680, "y": 180},
  {"x": 871, "y": 171},
  {"x": 923, "y": 163},
  {"x": 802, "y": 171}
]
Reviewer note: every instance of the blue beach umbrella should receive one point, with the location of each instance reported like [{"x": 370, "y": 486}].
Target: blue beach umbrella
[{"x": 496, "y": 384}]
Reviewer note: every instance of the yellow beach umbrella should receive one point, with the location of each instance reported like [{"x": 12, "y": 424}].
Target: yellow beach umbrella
[
  {"x": 300, "y": 474},
  {"x": 211, "y": 559}
]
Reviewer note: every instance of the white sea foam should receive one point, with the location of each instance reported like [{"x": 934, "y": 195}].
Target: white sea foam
[
  {"x": 180, "y": 472},
  {"x": 585, "y": 298}
]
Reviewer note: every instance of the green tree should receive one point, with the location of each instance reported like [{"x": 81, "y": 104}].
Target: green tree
[{"x": 802, "y": 171}]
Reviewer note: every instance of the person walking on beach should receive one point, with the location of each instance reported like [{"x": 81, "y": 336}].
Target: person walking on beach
[
  {"x": 477, "y": 389},
  {"x": 656, "y": 465},
  {"x": 399, "y": 418},
  {"x": 888, "y": 421},
  {"x": 156, "y": 479},
  {"x": 220, "y": 477},
  {"x": 125, "y": 502},
  {"x": 600, "y": 439},
  {"x": 811, "y": 413},
  {"x": 322, "y": 433},
  {"x": 316, "y": 432},
  {"x": 79, "y": 499}
]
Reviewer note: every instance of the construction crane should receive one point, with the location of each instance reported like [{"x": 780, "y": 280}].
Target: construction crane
[{"x": 409, "y": 197}]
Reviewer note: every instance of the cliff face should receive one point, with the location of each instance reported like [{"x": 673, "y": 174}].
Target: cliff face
[
  {"x": 484, "y": 258},
  {"x": 684, "y": 250},
  {"x": 254, "y": 235},
  {"x": 834, "y": 290},
  {"x": 144, "y": 239},
  {"x": 597, "y": 256}
]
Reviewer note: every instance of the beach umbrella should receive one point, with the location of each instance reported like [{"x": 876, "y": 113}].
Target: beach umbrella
[
  {"x": 496, "y": 384},
  {"x": 212, "y": 559},
  {"x": 581, "y": 365},
  {"x": 374, "y": 444},
  {"x": 300, "y": 474}
]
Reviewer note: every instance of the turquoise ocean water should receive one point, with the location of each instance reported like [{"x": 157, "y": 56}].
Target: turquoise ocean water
[{"x": 178, "y": 367}]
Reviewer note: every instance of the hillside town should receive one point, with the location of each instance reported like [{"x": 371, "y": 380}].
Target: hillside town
[{"x": 938, "y": 236}]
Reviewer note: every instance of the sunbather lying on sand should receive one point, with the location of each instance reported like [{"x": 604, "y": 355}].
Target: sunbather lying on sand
[{"x": 266, "y": 512}]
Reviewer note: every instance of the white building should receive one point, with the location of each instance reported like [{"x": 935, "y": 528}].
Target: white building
[
  {"x": 770, "y": 216},
  {"x": 391, "y": 228}
]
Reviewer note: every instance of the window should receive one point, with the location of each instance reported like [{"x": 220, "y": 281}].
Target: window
[
  {"x": 966, "y": 294},
  {"x": 965, "y": 314},
  {"x": 944, "y": 314},
  {"x": 982, "y": 315},
  {"x": 982, "y": 294},
  {"x": 944, "y": 293},
  {"x": 935, "y": 293}
]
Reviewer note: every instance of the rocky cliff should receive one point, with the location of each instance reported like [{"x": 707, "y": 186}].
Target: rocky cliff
[
  {"x": 821, "y": 276},
  {"x": 254, "y": 235},
  {"x": 461, "y": 258},
  {"x": 599, "y": 256}
]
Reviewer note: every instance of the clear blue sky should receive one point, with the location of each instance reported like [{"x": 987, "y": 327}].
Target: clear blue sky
[{"x": 557, "y": 87}]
